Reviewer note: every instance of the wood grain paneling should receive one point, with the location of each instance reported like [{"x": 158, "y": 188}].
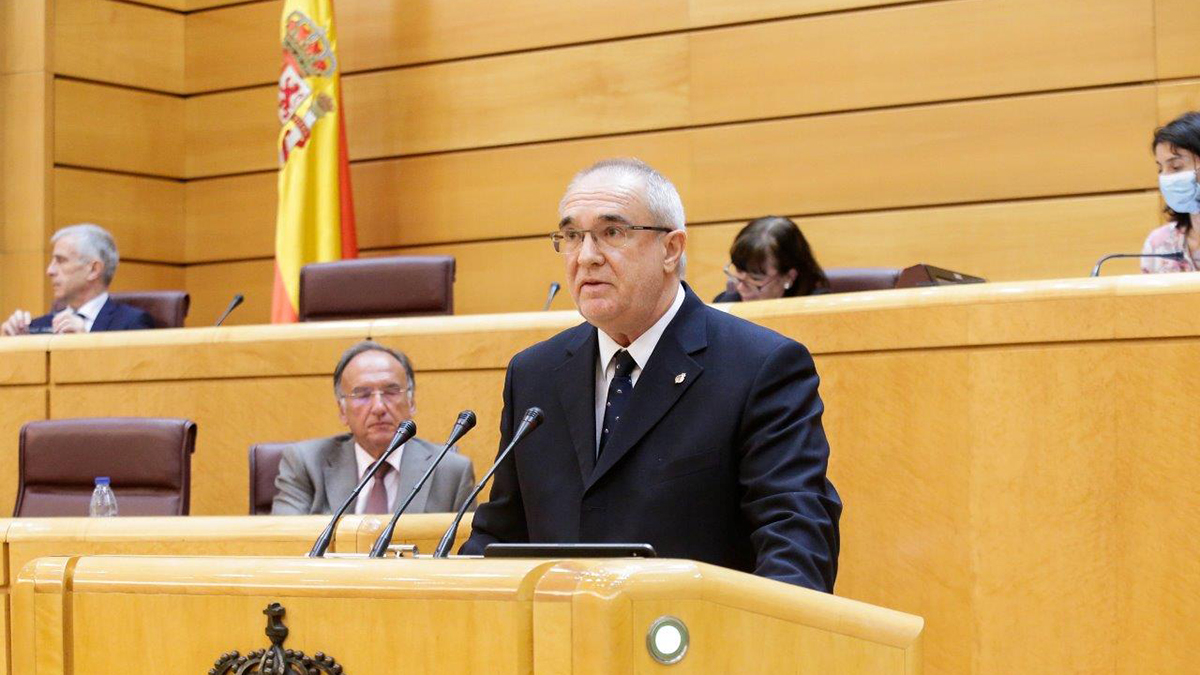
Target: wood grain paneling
[
  {"x": 104, "y": 127},
  {"x": 981, "y": 151},
  {"x": 213, "y": 286},
  {"x": 24, "y": 160},
  {"x": 140, "y": 276},
  {"x": 1014, "y": 147},
  {"x": 1175, "y": 99},
  {"x": 23, "y": 37},
  {"x": 582, "y": 91},
  {"x": 144, "y": 215},
  {"x": 119, "y": 43},
  {"x": 239, "y": 46},
  {"x": 1177, "y": 23},
  {"x": 23, "y": 285},
  {"x": 18, "y": 405},
  {"x": 231, "y": 218},
  {"x": 961, "y": 49}
]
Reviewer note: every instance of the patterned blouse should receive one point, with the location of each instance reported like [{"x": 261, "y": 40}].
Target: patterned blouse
[{"x": 1168, "y": 239}]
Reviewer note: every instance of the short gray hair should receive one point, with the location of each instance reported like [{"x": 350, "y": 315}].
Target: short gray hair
[
  {"x": 662, "y": 199},
  {"x": 371, "y": 346},
  {"x": 94, "y": 243}
]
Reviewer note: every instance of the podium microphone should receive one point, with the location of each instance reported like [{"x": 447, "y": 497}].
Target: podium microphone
[
  {"x": 1176, "y": 255},
  {"x": 407, "y": 430},
  {"x": 533, "y": 418},
  {"x": 466, "y": 422},
  {"x": 237, "y": 300},
  {"x": 554, "y": 288}
]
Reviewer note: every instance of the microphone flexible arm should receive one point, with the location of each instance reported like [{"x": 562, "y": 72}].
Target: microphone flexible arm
[
  {"x": 406, "y": 430},
  {"x": 533, "y": 418},
  {"x": 1175, "y": 255},
  {"x": 466, "y": 422}
]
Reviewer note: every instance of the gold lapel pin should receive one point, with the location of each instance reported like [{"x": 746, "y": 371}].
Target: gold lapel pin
[{"x": 680, "y": 377}]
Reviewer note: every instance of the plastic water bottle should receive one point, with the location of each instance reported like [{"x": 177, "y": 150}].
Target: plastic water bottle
[{"x": 104, "y": 502}]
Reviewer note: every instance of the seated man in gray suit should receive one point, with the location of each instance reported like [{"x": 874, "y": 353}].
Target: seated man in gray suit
[{"x": 374, "y": 387}]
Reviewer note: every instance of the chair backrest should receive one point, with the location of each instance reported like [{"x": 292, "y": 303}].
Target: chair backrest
[
  {"x": 264, "y": 467},
  {"x": 374, "y": 288},
  {"x": 167, "y": 308},
  {"x": 853, "y": 279},
  {"x": 148, "y": 459}
]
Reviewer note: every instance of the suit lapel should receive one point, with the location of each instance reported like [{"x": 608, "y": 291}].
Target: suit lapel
[
  {"x": 341, "y": 474},
  {"x": 575, "y": 380},
  {"x": 659, "y": 386},
  {"x": 104, "y": 316},
  {"x": 413, "y": 464}
]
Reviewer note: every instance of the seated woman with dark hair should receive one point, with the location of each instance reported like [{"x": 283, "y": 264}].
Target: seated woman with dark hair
[
  {"x": 1177, "y": 152},
  {"x": 770, "y": 258}
]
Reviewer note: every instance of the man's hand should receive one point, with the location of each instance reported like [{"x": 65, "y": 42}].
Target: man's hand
[
  {"x": 67, "y": 321},
  {"x": 17, "y": 324}
]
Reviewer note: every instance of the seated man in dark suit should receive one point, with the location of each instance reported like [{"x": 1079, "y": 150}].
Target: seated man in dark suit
[
  {"x": 375, "y": 389},
  {"x": 81, "y": 268},
  {"x": 667, "y": 422}
]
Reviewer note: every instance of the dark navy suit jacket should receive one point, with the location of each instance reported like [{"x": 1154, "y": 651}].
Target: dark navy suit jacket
[
  {"x": 113, "y": 316},
  {"x": 725, "y": 465}
]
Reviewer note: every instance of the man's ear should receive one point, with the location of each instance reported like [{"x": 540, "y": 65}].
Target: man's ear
[
  {"x": 342, "y": 413},
  {"x": 95, "y": 270},
  {"x": 675, "y": 243}
]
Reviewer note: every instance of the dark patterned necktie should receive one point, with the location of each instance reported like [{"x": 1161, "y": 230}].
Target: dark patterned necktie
[
  {"x": 377, "y": 500},
  {"x": 619, "y": 392}
]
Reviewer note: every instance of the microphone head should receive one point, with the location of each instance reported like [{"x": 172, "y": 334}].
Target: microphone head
[
  {"x": 405, "y": 431},
  {"x": 238, "y": 299},
  {"x": 533, "y": 418},
  {"x": 554, "y": 286},
  {"x": 466, "y": 420}
]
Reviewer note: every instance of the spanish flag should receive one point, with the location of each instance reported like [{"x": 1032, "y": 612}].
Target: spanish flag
[{"x": 315, "y": 220}]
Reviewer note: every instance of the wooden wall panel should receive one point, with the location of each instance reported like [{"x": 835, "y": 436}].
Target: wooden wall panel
[
  {"x": 140, "y": 276},
  {"x": 232, "y": 218},
  {"x": 213, "y": 286},
  {"x": 1175, "y": 99},
  {"x": 144, "y": 215},
  {"x": 18, "y": 405},
  {"x": 239, "y": 46},
  {"x": 119, "y": 43},
  {"x": 104, "y": 127},
  {"x": 599, "y": 89},
  {"x": 961, "y": 49},
  {"x": 25, "y": 100},
  {"x": 962, "y": 152},
  {"x": 1177, "y": 23},
  {"x": 24, "y": 284},
  {"x": 981, "y": 151},
  {"x": 23, "y": 37}
]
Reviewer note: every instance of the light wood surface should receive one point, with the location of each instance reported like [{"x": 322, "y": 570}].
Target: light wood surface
[
  {"x": 1177, "y": 23},
  {"x": 120, "y": 43},
  {"x": 138, "y": 276},
  {"x": 1177, "y": 98},
  {"x": 105, "y": 127},
  {"x": 144, "y": 215},
  {"x": 518, "y": 612}
]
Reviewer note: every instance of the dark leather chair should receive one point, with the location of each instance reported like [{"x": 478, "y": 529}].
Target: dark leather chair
[
  {"x": 264, "y": 467},
  {"x": 148, "y": 459},
  {"x": 853, "y": 279},
  {"x": 167, "y": 308},
  {"x": 376, "y": 288}
]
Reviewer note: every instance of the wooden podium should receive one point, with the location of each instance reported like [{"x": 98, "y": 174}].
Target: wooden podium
[{"x": 94, "y": 615}]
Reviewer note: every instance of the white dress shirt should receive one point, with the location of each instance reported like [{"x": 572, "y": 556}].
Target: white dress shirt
[
  {"x": 90, "y": 309},
  {"x": 640, "y": 349},
  {"x": 390, "y": 481}
]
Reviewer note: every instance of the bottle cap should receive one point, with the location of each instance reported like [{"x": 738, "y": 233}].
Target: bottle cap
[{"x": 101, "y": 480}]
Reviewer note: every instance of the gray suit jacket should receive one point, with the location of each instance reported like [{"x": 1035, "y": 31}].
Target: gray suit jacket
[{"x": 317, "y": 475}]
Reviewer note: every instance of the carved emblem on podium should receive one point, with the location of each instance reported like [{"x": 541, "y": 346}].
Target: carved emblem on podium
[{"x": 275, "y": 660}]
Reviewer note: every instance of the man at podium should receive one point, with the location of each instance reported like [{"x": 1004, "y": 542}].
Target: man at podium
[{"x": 667, "y": 422}]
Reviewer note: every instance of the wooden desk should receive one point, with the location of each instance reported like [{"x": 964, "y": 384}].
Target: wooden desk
[
  {"x": 143, "y": 615},
  {"x": 1016, "y": 459}
]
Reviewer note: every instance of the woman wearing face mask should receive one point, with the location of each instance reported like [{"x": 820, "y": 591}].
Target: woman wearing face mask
[
  {"x": 770, "y": 258},
  {"x": 1177, "y": 153}
]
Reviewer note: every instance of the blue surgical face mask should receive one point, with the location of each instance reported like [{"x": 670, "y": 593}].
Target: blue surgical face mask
[{"x": 1180, "y": 191}]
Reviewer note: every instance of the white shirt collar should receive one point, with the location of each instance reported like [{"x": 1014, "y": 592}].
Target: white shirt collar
[
  {"x": 365, "y": 460},
  {"x": 641, "y": 348},
  {"x": 91, "y": 309}
]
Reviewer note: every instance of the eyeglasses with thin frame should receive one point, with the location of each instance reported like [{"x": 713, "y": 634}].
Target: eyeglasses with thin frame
[
  {"x": 392, "y": 394},
  {"x": 569, "y": 240},
  {"x": 754, "y": 281}
]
